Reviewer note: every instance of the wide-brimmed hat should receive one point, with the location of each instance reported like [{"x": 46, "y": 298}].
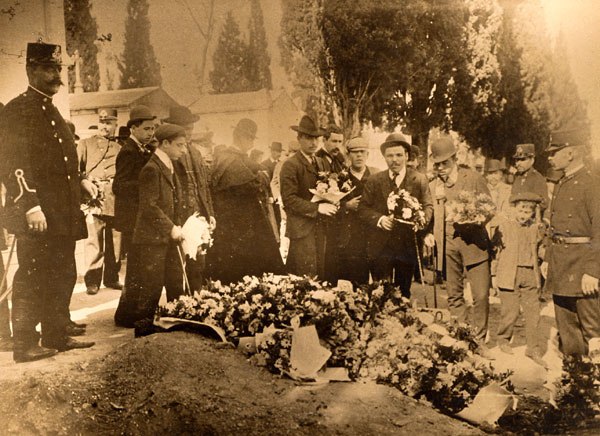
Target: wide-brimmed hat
[
  {"x": 566, "y": 138},
  {"x": 246, "y": 127},
  {"x": 358, "y": 143},
  {"x": 181, "y": 116},
  {"x": 442, "y": 149},
  {"x": 168, "y": 132},
  {"x": 107, "y": 114},
  {"x": 524, "y": 151},
  {"x": 140, "y": 113},
  {"x": 394, "y": 140},
  {"x": 308, "y": 127},
  {"x": 40, "y": 53},
  {"x": 493, "y": 165}
]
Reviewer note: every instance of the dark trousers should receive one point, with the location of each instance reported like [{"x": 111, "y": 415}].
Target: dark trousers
[
  {"x": 42, "y": 289},
  {"x": 306, "y": 256},
  {"x": 479, "y": 278},
  {"x": 195, "y": 270},
  {"x": 149, "y": 268},
  {"x": 353, "y": 266},
  {"x": 578, "y": 321},
  {"x": 102, "y": 252},
  {"x": 524, "y": 295},
  {"x": 389, "y": 266}
]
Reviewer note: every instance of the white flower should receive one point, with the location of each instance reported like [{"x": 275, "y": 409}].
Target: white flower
[{"x": 406, "y": 213}]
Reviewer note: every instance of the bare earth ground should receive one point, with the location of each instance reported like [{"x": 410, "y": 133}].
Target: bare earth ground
[{"x": 181, "y": 383}]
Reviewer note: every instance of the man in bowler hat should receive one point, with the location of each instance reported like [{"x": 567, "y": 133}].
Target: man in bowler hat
[
  {"x": 38, "y": 162},
  {"x": 463, "y": 248},
  {"x": 306, "y": 220},
  {"x": 573, "y": 256}
]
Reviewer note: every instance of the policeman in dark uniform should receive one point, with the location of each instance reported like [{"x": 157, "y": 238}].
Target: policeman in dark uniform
[
  {"x": 573, "y": 257},
  {"x": 97, "y": 163},
  {"x": 38, "y": 162},
  {"x": 527, "y": 178}
]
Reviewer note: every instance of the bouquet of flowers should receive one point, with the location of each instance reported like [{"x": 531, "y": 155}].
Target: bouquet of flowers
[
  {"x": 470, "y": 208},
  {"x": 332, "y": 187},
  {"x": 198, "y": 236},
  {"x": 406, "y": 208}
]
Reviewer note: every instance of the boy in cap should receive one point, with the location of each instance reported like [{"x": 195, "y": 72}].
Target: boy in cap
[
  {"x": 517, "y": 273},
  {"x": 97, "y": 158},
  {"x": 157, "y": 231},
  {"x": 527, "y": 178}
]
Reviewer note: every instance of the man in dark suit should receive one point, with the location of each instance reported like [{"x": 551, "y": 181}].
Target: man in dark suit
[
  {"x": 134, "y": 154},
  {"x": 462, "y": 248},
  {"x": 194, "y": 196},
  {"x": 269, "y": 164},
  {"x": 351, "y": 231},
  {"x": 332, "y": 149},
  {"x": 157, "y": 231},
  {"x": 306, "y": 225},
  {"x": 573, "y": 257},
  {"x": 38, "y": 162},
  {"x": 391, "y": 246}
]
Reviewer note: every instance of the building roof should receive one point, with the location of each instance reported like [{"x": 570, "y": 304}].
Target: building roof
[
  {"x": 116, "y": 98},
  {"x": 239, "y": 102}
]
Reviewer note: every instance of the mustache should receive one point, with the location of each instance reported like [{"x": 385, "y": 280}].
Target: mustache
[{"x": 57, "y": 82}]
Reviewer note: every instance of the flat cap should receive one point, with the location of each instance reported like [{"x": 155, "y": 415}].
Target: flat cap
[
  {"x": 358, "y": 143},
  {"x": 525, "y": 196},
  {"x": 168, "y": 132}
]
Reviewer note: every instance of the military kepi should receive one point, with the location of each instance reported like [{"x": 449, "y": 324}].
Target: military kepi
[
  {"x": 40, "y": 53},
  {"x": 566, "y": 138},
  {"x": 107, "y": 114},
  {"x": 524, "y": 151}
]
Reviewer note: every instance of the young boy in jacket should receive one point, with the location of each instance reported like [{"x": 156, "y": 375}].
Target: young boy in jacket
[{"x": 517, "y": 273}]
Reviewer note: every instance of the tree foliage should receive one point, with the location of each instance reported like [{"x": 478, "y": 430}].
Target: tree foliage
[
  {"x": 230, "y": 60},
  {"x": 81, "y": 32},
  {"x": 138, "y": 66},
  {"x": 259, "y": 73}
]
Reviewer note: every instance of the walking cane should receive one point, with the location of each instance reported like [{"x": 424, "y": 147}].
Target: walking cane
[
  {"x": 185, "y": 277},
  {"x": 5, "y": 275}
]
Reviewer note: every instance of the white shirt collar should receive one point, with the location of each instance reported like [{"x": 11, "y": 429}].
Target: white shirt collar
[
  {"x": 308, "y": 157},
  {"x": 399, "y": 178},
  {"x": 358, "y": 175},
  {"x": 164, "y": 158}
]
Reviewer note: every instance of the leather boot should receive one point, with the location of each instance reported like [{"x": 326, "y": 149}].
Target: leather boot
[
  {"x": 34, "y": 352},
  {"x": 65, "y": 344}
]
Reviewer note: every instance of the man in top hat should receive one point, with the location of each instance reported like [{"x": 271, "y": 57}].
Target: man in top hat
[
  {"x": 351, "y": 231},
  {"x": 134, "y": 154},
  {"x": 38, "y": 166},
  {"x": 573, "y": 256},
  {"x": 527, "y": 178},
  {"x": 332, "y": 149},
  {"x": 306, "y": 221},
  {"x": 391, "y": 248},
  {"x": 192, "y": 176},
  {"x": 97, "y": 158},
  {"x": 268, "y": 164},
  {"x": 245, "y": 239},
  {"x": 461, "y": 248}
]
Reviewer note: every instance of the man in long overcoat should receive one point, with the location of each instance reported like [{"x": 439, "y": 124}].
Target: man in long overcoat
[
  {"x": 244, "y": 239},
  {"x": 38, "y": 160}
]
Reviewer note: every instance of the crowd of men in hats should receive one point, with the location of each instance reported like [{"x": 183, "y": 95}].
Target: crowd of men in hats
[{"x": 139, "y": 191}]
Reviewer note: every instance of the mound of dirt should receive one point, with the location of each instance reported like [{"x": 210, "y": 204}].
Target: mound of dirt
[{"x": 181, "y": 383}]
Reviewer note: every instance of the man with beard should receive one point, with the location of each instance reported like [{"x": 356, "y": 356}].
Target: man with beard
[
  {"x": 527, "y": 178},
  {"x": 244, "y": 240},
  {"x": 194, "y": 192},
  {"x": 38, "y": 161},
  {"x": 306, "y": 225},
  {"x": 97, "y": 157},
  {"x": 391, "y": 246},
  {"x": 573, "y": 257}
]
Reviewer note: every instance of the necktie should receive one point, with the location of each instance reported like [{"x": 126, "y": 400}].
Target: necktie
[{"x": 315, "y": 164}]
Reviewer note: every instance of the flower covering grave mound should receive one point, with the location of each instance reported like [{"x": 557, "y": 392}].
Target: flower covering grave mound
[{"x": 370, "y": 330}]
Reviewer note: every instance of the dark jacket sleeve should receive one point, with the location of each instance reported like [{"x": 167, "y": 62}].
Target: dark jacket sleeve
[
  {"x": 367, "y": 207},
  {"x": 149, "y": 209},
  {"x": 292, "y": 199},
  {"x": 126, "y": 182}
]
